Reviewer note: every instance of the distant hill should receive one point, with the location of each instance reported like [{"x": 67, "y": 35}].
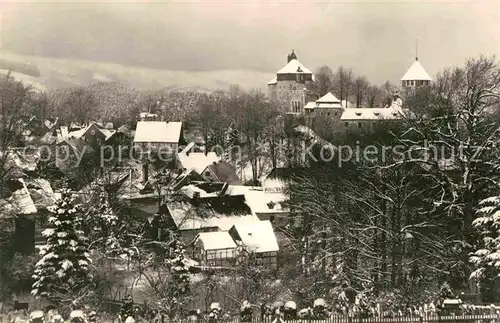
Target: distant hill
[
  {"x": 53, "y": 73},
  {"x": 20, "y": 67}
]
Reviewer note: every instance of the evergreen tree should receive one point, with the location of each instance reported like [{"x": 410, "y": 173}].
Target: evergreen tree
[
  {"x": 127, "y": 308},
  {"x": 103, "y": 226},
  {"x": 486, "y": 259},
  {"x": 63, "y": 272},
  {"x": 445, "y": 291},
  {"x": 177, "y": 288},
  {"x": 179, "y": 270}
]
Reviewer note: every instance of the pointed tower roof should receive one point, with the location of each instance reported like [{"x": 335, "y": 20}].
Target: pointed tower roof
[
  {"x": 294, "y": 67},
  {"x": 328, "y": 98},
  {"x": 416, "y": 73}
]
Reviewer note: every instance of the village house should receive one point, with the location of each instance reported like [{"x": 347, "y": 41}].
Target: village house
[
  {"x": 192, "y": 158},
  {"x": 214, "y": 249},
  {"x": 160, "y": 136},
  {"x": 190, "y": 216},
  {"x": 265, "y": 205},
  {"x": 25, "y": 211},
  {"x": 258, "y": 240},
  {"x": 326, "y": 106},
  {"x": 221, "y": 172},
  {"x": 365, "y": 119}
]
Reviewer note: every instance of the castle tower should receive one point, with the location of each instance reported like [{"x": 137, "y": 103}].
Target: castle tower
[
  {"x": 288, "y": 87},
  {"x": 415, "y": 76}
]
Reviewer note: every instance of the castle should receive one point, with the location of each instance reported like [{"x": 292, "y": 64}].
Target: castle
[{"x": 290, "y": 87}]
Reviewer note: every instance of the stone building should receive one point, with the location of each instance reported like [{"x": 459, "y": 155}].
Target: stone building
[{"x": 290, "y": 86}]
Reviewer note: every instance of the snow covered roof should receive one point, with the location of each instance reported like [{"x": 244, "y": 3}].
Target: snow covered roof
[
  {"x": 416, "y": 72},
  {"x": 209, "y": 215},
  {"x": 158, "y": 131},
  {"x": 22, "y": 159},
  {"x": 294, "y": 67},
  {"x": 197, "y": 160},
  {"x": 258, "y": 199},
  {"x": 258, "y": 236},
  {"x": 190, "y": 190},
  {"x": 273, "y": 81},
  {"x": 310, "y": 105},
  {"x": 372, "y": 114},
  {"x": 41, "y": 192},
  {"x": 328, "y": 98},
  {"x": 216, "y": 240},
  {"x": 20, "y": 202}
]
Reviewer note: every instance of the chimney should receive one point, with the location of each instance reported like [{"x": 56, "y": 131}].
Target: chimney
[
  {"x": 196, "y": 198},
  {"x": 145, "y": 172}
]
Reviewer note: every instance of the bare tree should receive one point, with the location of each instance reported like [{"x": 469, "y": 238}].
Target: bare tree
[
  {"x": 343, "y": 79},
  {"x": 323, "y": 81},
  {"x": 360, "y": 87}
]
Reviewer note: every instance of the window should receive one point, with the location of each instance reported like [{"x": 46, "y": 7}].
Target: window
[
  {"x": 328, "y": 113},
  {"x": 295, "y": 106},
  {"x": 207, "y": 173},
  {"x": 360, "y": 125},
  {"x": 271, "y": 218},
  {"x": 346, "y": 124},
  {"x": 335, "y": 114}
]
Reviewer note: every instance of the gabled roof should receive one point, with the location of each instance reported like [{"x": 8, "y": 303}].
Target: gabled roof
[
  {"x": 158, "y": 131},
  {"x": 328, "y": 98},
  {"x": 392, "y": 113},
  {"x": 416, "y": 72},
  {"x": 259, "y": 200},
  {"x": 223, "y": 172},
  {"x": 222, "y": 213},
  {"x": 310, "y": 105},
  {"x": 20, "y": 202},
  {"x": 197, "y": 160},
  {"x": 258, "y": 236},
  {"x": 294, "y": 67},
  {"x": 216, "y": 240}
]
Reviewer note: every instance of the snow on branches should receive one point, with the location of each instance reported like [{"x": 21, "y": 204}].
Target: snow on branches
[
  {"x": 63, "y": 270},
  {"x": 487, "y": 256}
]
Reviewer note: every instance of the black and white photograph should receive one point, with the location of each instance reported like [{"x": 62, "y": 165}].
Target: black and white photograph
[{"x": 250, "y": 161}]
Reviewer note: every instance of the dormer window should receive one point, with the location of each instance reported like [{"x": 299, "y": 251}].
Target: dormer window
[
  {"x": 299, "y": 70},
  {"x": 358, "y": 113},
  {"x": 271, "y": 205},
  {"x": 376, "y": 113}
]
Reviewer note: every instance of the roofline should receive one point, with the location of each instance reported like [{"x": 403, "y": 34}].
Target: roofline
[{"x": 408, "y": 79}]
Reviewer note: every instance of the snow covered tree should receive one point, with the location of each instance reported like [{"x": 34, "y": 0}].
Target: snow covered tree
[
  {"x": 127, "y": 308},
  {"x": 63, "y": 273},
  {"x": 179, "y": 270},
  {"x": 486, "y": 259},
  {"x": 102, "y": 226}
]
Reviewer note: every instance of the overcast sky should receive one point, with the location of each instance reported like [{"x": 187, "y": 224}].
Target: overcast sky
[{"x": 374, "y": 38}]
